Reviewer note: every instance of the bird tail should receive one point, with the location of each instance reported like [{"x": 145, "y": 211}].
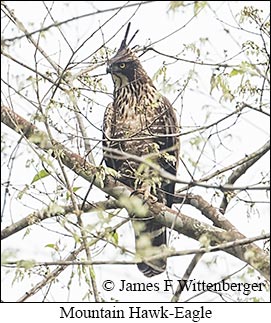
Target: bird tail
[{"x": 150, "y": 239}]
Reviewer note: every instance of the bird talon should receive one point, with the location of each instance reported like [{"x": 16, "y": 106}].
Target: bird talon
[
  {"x": 141, "y": 191},
  {"x": 153, "y": 199},
  {"x": 146, "y": 195}
]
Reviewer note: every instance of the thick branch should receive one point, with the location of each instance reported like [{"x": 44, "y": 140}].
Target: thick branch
[
  {"x": 206, "y": 209},
  {"x": 192, "y": 228}
]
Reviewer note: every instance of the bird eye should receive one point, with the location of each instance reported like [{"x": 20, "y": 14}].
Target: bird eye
[{"x": 122, "y": 65}]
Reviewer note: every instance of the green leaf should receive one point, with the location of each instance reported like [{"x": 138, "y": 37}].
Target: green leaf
[
  {"x": 113, "y": 236},
  {"x": 52, "y": 246},
  {"x": 76, "y": 237},
  {"x": 244, "y": 68},
  {"x": 112, "y": 172},
  {"x": 41, "y": 174},
  {"x": 174, "y": 5},
  {"x": 100, "y": 175},
  {"x": 54, "y": 209},
  {"x": 204, "y": 241},
  {"x": 74, "y": 189},
  {"x": 92, "y": 272},
  {"x": 133, "y": 204},
  {"x": 27, "y": 232},
  {"x": 220, "y": 82},
  {"x": 8, "y": 255},
  {"x": 198, "y": 5},
  {"x": 26, "y": 264},
  {"x": 22, "y": 192},
  {"x": 39, "y": 139},
  {"x": 235, "y": 72}
]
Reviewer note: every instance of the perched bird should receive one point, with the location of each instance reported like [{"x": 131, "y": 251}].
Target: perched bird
[{"x": 142, "y": 122}]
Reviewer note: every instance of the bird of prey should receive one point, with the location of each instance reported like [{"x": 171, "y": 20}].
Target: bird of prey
[{"x": 141, "y": 122}]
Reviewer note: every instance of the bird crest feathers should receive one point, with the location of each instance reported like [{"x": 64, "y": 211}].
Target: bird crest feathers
[
  {"x": 124, "y": 44},
  {"x": 124, "y": 52}
]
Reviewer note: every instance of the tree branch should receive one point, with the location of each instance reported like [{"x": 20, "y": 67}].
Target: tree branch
[
  {"x": 206, "y": 209},
  {"x": 166, "y": 175},
  {"x": 167, "y": 253},
  {"x": 238, "y": 172},
  {"x": 22, "y": 28},
  {"x": 86, "y": 15},
  {"x": 41, "y": 215},
  {"x": 56, "y": 272},
  {"x": 186, "y": 276},
  {"x": 190, "y": 227},
  {"x": 244, "y": 163}
]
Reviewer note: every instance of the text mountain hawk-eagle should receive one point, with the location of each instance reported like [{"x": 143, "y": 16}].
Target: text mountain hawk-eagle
[{"x": 142, "y": 122}]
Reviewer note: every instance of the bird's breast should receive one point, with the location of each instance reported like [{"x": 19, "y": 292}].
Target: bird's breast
[{"x": 135, "y": 113}]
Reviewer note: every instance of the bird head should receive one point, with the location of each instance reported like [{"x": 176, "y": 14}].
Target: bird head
[{"x": 125, "y": 67}]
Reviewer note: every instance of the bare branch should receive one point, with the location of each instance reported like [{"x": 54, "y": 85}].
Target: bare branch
[
  {"x": 37, "y": 217},
  {"x": 51, "y": 277},
  {"x": 186, "y": 276},
  {"x": 57, "y": 24},
  {"x": 206, "y": 209},
  {"x": 244, "y": 166},
  {"x": 249, "y": 160},
  {"x": 21, "y": 27},
  {"x": 166, "y": 175},
  {"x": 167, "y": 253},
  {"x": 255, "y": 109},
  {"x": 175, "y": 57}
]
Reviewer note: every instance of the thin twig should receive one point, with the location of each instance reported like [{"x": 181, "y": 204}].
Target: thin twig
[
  {"x": 186, "y": 276},
  {"x": 168, "y": 254},
  {"x": 56, "y": 272},
  {"x": 57, "y": 24}
]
